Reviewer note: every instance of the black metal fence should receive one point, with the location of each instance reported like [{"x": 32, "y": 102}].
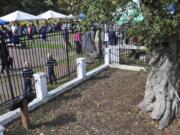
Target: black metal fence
[
  {"x": 35, "y": 49},
  {"x": 128, "y": 53}
]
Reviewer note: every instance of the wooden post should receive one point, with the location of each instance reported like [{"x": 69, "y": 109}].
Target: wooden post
[{"x": 24, "y": 114}]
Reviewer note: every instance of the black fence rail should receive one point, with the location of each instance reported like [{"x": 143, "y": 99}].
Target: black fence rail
[
  {"x": 35, "y": 49},
  {"x": 128, "y": 53}
]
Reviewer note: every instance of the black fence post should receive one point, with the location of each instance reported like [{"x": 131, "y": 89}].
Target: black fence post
[
  {"x": 67, "y": 50},
  {"x": 119, "y": 55},
  {"x": 10, "y": 83},
  {"x": 100, "y": 44}
]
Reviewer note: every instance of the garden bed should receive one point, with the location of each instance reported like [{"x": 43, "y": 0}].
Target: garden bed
[{"x": 105, "y": 104}]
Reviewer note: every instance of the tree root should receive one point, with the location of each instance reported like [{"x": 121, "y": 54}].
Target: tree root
[{"x": 160, "y": 99}]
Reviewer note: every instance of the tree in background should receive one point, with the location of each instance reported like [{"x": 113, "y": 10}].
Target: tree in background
[
  {"x": 98, "y": 11},
  {"x": 160, "y": 32},
  {"x": 30, "y": 6},
  {"x": 39, "y": 6}
]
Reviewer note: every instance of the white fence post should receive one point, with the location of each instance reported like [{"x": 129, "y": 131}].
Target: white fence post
[
  {"x": 107, "y": 56},
  {"x": 41, "y": 85},
  {"x": 1, "y": 130},
  {"x": 81, "y": 68}
]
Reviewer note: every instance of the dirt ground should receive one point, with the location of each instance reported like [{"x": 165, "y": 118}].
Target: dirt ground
[{"x": 104, "y": 105}]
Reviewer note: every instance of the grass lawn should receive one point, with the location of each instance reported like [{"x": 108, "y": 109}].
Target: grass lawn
[{"x": 44, "y": 45}]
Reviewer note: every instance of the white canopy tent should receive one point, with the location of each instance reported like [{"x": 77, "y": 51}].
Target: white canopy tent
[
  {"x": 70, "y": 16},
  {"x": 51, "y": 14},
  {"x": 18, "y": 16}
]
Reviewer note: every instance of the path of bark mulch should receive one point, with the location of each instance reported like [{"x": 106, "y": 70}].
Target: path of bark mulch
[{"x": 103, "y": 105}]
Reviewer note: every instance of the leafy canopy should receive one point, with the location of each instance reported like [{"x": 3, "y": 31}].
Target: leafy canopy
[{"x": 158, "y": 24}]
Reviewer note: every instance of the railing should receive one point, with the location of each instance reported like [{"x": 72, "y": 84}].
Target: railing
[
  {"x": 129, "y": 54},
  {"x": 35, "y": 49}
]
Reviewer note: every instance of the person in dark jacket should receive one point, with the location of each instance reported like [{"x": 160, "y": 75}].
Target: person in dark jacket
[
  {"x": 50, "y": 63},
  {"x": 112, "y": 37},
  {"x": 66, "y": 38},
  {"x": 27, "y": 74},
  {"x": 4, "y": 53},
  {"x": 43, "y": 33}
]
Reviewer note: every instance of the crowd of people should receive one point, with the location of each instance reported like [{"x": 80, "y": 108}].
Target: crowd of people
[
  {"x": 14, "y": 31},
  {"x": 89, "y": 41},
  {"x": 112, "y": 33}
]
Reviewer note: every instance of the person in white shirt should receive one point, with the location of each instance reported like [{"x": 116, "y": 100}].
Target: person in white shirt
[{"x": 14, "y": 28}]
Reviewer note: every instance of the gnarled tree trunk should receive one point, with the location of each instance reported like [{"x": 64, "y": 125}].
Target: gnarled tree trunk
[{"x": 163, "y": 86}]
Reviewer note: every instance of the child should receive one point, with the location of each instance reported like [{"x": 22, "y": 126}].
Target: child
[
  {"x": 50, "y": 63},
  {"x": 27, "y": 74}
]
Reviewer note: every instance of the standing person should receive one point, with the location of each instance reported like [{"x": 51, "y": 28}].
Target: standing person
[
  {"x": 14, "y": 28},
  {"x": 20, "y": 30},
  {"x": 77, "y": 40},
  {"x": 69, "y": 26},
  {"x": 15, "y": 39},
  {"x": 112, "y": 37},
  {"x": 25, "y": 30},
  {"x": 50, "y": 63},
  {"x": 106, "y": 39},
  {"x": 9, "y": 34},
  {"x": 97, "y": 42},
  {"x": 66, "y": 38},
  {"x": 64, "y": 26},
  {"x": 43, "y": 33},
  {"x": 27, "y": 74},
  {"x": 92, "y": 42},
  {"x": 93, "y": 32},
  {"x": 30, "y": 32},
  {"x": 4, "y": 53}
]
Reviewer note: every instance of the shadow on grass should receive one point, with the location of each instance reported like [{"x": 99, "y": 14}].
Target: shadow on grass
[{"x": 61, "y": 120}]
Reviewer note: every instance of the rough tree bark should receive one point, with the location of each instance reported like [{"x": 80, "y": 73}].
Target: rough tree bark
[{"x": 162, "y": 82}]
